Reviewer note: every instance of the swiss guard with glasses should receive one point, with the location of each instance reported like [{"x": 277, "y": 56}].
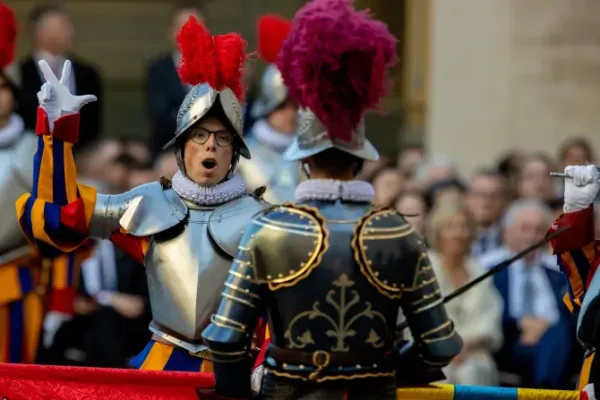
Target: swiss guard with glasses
[
  {"x": 331, "y": 269},
  {"x": 186, "y": 232}
]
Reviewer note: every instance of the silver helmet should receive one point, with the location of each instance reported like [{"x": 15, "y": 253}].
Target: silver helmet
[
  {"x": 196, "y": 104},
  {"x": 272, "y": 93},
  {"x": 313, "y": 138}
]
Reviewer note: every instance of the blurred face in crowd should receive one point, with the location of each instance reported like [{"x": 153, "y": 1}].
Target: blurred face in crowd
[
  {"x": 167, "y": 165},
  {"x": 486, "y": 199},
  {"x": 409, "y": 160},
  {"x": 455, "y": 235},
  {"x": 370, "y": 168},
  {"x": 283, "y": 119},
  {"x": 7, "y": 102},
  {"x": 528, "y": 226},
  {"x": 576, "y": 155},
  {"x": 387, "y": 184},
  {"x": 535, "y": 180},
  {"x": 138, "y": 151},
  {"x": 450, "y": 194},
  {"x": 139, "y": 177},
  {"x": 179, "y": 19},
  {"x": 54, "y": 33},
  {"x": 208, "y": 152},
  {"x": 413, "y": 207}
]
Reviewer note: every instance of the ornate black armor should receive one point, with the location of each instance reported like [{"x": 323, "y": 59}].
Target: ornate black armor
[{"x": 332, "y": 276}]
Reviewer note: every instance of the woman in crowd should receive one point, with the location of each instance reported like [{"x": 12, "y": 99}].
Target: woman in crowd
[
  {"x": 413, "y": 206},
  {"x": 477, "y": 313}
]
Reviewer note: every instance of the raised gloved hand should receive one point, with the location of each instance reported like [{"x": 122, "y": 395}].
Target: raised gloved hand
[
  {"x": 55, "y": 97},
  {"x": 581, "y": 187}
]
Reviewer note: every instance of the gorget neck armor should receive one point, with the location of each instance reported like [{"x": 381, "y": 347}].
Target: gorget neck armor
[{"x": 220, "y": 193}]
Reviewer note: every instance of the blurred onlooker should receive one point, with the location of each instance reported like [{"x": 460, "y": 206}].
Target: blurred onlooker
[
  {"x": 486, "y": 199},
  {"x": 575, "y": 151},
  {"x": 166, "y": 165},
  {"x": 449, "y": 190},
  {"x": 52, "y": 33},
  {"x": 508, "y": 166},
  {"x": 387, "y": 184},
  {"x": 100, "y": 161},
  {"x": 137, "y": 149},
  {"x": 597, "y": 215},
  {"x": 538, "y": 331},
  {"x": 409, "y": 159},
  {"x": 141, "y": 173},
  {"x": 435, "y": 168},
  {"x": 477, "y": 314},
  {"x": 372, "y": 168},
  {"x": 534, "y": 180},
  {"x": 412, "y": 205},
  {"x": 164, "y": 89}
]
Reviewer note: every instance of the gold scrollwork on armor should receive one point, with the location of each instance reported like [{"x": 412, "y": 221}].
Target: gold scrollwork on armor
[
  {"x": 364, "y": 232},
  {"x": 347, "y": 377},
  {"x": 313, "y": 225},
  {"x": 424, "y": 275},
  {"x": 342, "y": 322}
]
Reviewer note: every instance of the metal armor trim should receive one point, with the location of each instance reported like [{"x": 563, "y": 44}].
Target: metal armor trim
[
  {"x": 302, "y": 224},
  {"x": 329, "y": 377},
  {"x": 144, "y": 210},
  {"x": 383, "y": 225},
  {"x": 228, "y": 222}
]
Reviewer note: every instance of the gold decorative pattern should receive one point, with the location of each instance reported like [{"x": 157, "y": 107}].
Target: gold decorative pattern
[
  {"x": 348, "y": 377},
  {"x": 341, "y": 324},
  {"x": 365, "y": 231},
  {"x": 314, "y": 227}
]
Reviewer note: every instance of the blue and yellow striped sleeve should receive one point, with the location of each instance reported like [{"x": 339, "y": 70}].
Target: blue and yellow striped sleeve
[
  {"x": 57, "y": 211},
  {"x": 577, "y": 252}
]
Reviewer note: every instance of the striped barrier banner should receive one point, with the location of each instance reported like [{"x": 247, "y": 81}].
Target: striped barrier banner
[{"x": 458, "y": 392}]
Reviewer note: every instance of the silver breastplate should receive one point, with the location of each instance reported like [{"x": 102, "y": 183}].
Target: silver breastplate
[{"x": 183, "y": 269}]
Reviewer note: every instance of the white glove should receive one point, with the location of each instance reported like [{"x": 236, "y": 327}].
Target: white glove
[
  {"x": 52, "y": 323},
  {"x": 57, "y": 99},
  {"x": 256, "y": 378},
  {"x": 589, "y": 389},
  {"x": 581, "y": 187}
]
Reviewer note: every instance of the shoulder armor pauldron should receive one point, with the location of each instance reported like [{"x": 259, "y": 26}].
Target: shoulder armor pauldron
[
  {"x": 286, "y": 243},
  {"x": 151, "y": 208},
  {"x": 228, "y": 222},
  {"x": 377, "y": 249}
]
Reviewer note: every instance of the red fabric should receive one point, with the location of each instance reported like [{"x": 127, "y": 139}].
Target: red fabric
[
  {"x": 581, "y": 232},
  {"x": 42, "y": 127},
  {"x": 130, "y": 245},
  {"x": 72, "y": 216},
  {"x": 62, "y": 300},
  {"x": 263, "y": 352},
  {"x": 67, "y": 128},
  {"x": 8, "y": 35},
  {"x": 37, "y": 382}
]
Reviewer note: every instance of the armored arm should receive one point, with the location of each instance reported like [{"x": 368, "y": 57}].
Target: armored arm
[
  {"x": 435, "y": 338},
  {"x": 230, "y": 332},
  {"x": 578, "y": 253}
]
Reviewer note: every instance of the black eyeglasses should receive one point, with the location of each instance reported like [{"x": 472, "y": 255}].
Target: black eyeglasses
[{"x": 201, "y": 136}]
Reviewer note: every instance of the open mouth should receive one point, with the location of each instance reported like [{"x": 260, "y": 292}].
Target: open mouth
[{"x": 209, "y": 163}]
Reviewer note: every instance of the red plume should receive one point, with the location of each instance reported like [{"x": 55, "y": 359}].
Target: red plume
[
  {"x": 8, "y": 35},
  {"x": 272, "y": 31},
  {"x": 215, "y": 60}
]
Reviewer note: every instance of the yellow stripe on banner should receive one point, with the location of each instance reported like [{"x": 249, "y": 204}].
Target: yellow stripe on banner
[
  {"x": 10, "y": 285},
  {"x": 4, "y": 323},
  {"x": 267, "y": 333},
  {"x": 206, "y": 366},
  {"x": 584, "y": 374},
  {"x": 60, "y": 272},
  {"x": 45, "y": 183},
  {"x": 437, "y": 392},
  {"x": 20, "y": 207},
  {"x": 89, "y": 195},
  {"x": 33, "y": 324},
  {"x": 157, "y": 357},
  {"x": 539, "y": 394},
  {"x": 38, "y": 222},
  {"x": 70, "y": 172}
]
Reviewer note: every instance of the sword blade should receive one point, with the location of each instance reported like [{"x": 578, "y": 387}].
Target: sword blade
[{"x": 495, "y": 269}]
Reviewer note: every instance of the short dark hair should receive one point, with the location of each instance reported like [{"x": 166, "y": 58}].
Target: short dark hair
[
  {"x": 336, "y": 162},
  {"x": 580, "y": 142},
  {"x": 490, "y": 173},
  {"x": 40, "y": 11},
  {"x": 12, "y": 86}
]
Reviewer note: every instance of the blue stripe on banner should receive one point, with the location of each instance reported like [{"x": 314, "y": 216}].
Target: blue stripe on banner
[
  {"x": 181, "y": 360},
  {"x": 37, "y": 162},
  {"x": 582, "y": 264},
  {"x": 26, "y": 280},
  {"x": 137, "y": 361},
  {"x": 481, "y": 392},
  {"x": 51, "y": 217},
  {"x": 70, "y": 268},
  {"x": 59, "y": 189},
  {"x": 27, "y": 224},
  {"x": 17, "y": 332}
]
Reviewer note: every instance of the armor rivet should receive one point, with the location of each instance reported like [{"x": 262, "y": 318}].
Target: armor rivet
[
  {"x": 247, "y": 290},
  {"x": 365, "y": 248},
  {"x": 310, "y": 253},
  {"x": 340, "y": 367},
  {"x": 385, "y": 282},
  {"x": 374, "y": 365},
  {"x": 394, "y": 285},
  {"x": 269, "y": 276},
  {"x": 301, "y": 366},
  {"x": 279, "y": 275},
  {"x": 369, "y": 262},
  {"x": 252, "y": 236},
  {"x": 292, "y": 271},
  {"x": 358, "y": 366},
  {"x": 376, "y": 273},
  {"x": 285, "y": 365},
  {"x": 301, "y": 264},
  {"x": 248, "y": 276}
]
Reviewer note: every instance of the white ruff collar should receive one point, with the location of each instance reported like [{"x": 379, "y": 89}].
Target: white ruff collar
[
  {"x": 265, "y": 133},
  {"x": 331, "y": 189},
  {"x": 12, "y": 131},
  {"x": 223, "y": 192}
]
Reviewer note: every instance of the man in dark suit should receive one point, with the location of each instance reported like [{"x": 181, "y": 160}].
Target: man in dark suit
[
  {"x": 537, "y": 327},
  {"x": 52, "y": 34},
  {"x": 164, "y": 89}
]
